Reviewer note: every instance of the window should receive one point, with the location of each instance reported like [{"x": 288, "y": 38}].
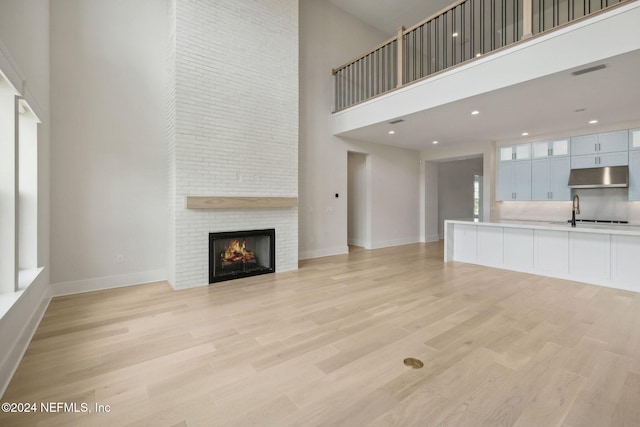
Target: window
[
  {"x": 477, "y": 205},
  {"x": 18, "y": 190}
]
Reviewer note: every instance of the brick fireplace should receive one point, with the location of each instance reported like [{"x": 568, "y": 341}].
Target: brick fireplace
[{"x": 233, "y": 115}]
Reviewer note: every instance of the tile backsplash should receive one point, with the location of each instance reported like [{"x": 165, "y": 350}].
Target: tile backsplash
[{"x": 595, "y": 203}]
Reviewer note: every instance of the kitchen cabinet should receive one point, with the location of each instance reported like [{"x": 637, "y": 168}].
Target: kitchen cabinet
[
  {"x": 634, "y": 175},
  {"x": 608, "y": 142},
  {"x": 634, "y": 139},
  {"x": 549, "y": 179},
  {"x": 514, "y": 152},
  {"x": 514, "y": 172},
  {"x": 514, "y": 180},
  {"x": 600, "y": 160},
  {"x": 558, "y": 147},
  {"x": 597, "y": 255}
]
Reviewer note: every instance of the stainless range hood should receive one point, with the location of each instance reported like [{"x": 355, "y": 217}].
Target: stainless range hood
[{"x": 610, "y": 176}]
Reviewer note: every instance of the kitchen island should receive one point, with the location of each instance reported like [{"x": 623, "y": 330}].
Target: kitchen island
[{"x": 606, "y": 255}]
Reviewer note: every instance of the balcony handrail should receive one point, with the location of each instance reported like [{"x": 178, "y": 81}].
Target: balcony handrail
[
  {"x": 435, "y": 15},
  {"x": 405, "y": 31},
  {"x": 379, "y": 46},
  {"x": 500, "y": 23}
]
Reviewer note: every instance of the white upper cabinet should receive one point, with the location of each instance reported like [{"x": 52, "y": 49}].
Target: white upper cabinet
[
  {"x": 598, "y": 150},
  {"x": 612, "y": 142},
  {"x": 587, "y": 144},
  {"x": 514, "y": 172},
  {"x": 558, "y": 147},
  {"x": 634, "y": 139},
  {"x": 515, "y": 152},
  {"x": 609, "y": 142},
  {"x": 600, "y": 160}
]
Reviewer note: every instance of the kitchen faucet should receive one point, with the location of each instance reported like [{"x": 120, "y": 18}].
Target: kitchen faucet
[{"x": 575, "y": 209}]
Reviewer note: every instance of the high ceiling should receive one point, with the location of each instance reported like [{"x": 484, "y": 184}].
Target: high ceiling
[
  {"x": 557, "y": 104},
  {"x": 388, "y": 15}
]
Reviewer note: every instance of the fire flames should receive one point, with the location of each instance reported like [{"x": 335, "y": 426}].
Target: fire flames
[{"x": 237, "y": 253}]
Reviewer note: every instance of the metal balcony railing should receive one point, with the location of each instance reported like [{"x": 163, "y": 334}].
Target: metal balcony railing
[{"x": 461, "y": 32}]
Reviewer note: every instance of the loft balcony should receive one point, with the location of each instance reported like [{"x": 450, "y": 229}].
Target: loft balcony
[{"x": 475, "y": 47}]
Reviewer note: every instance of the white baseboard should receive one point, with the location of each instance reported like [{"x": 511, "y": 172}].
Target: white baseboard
[
  {"x": 318, "y": 253},
  {"x": 18, "y": 326},
  {"x": 107, "y": 282},
  {"x": 360, "y": 243},
  {"x": 394, "y": 242},
  {"x": 431, "y": 238}
]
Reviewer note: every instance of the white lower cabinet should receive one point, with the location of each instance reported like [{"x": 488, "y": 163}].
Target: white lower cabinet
[
  {"x": 518, "y": 248},
  {"x": 465, "y": 243},
  {"x": 551, "y": 251},
  {"x": 490, "y": 245},
  {"x": 590, "y": 256},
  {"x": 625, "y": 253},
  {"x": 597, "y": 256}
]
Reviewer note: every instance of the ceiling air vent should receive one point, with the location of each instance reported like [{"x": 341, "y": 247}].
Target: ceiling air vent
[
  {"x": 396, "y": 121},
  {"x": 589, "y": 70}
]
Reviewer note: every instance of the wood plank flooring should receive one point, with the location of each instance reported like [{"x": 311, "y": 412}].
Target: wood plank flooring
[{"x": 324, "y": 346}]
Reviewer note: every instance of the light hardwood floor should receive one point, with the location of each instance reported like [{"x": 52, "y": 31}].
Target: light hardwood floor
[{"x": 325, "y": 345}]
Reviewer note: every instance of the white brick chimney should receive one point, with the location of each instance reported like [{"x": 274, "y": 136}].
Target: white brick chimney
[{"x": 233, "y": 125}]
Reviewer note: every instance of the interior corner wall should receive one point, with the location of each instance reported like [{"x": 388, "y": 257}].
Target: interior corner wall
[
  {"x": 109, "y": 153},
  {"x": 328, "y": 38}
]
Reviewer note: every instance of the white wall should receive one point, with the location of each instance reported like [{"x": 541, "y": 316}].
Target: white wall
[
  {"x": 328, "y": 37},
  {"x": 24, "y": 40},
  {"x": 395, "y": 193},
  {"x": 358, "y": 195},
  {"x": 455, "y": 190},
  {"x": 109, "y": 161}
]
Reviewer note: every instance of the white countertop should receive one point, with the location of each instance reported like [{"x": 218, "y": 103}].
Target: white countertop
[{"x": 621, "y": 229}]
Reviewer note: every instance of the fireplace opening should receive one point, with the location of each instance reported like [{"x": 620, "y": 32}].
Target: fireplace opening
[{"x": 236, "y": 254}]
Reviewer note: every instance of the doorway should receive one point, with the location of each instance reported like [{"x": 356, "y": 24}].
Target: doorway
[{"x": 459, "y": 190}]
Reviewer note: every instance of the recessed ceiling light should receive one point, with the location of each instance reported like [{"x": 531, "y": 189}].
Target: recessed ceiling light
[
  {"x": 478, "y": 54},
  {"x": 525, "y": 133},
  {"x": 454, "y": 35},
  {"x": 391, "y": 132},
  {"x": 475, "y": 112},
  {"x": 435, "y": 142},
  {"x": 593, "y": 122}
]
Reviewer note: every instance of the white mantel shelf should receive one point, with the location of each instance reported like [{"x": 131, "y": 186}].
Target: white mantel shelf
[
  {"x": 601, "y": 255},
  {"x": 215, "y": 202}
]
